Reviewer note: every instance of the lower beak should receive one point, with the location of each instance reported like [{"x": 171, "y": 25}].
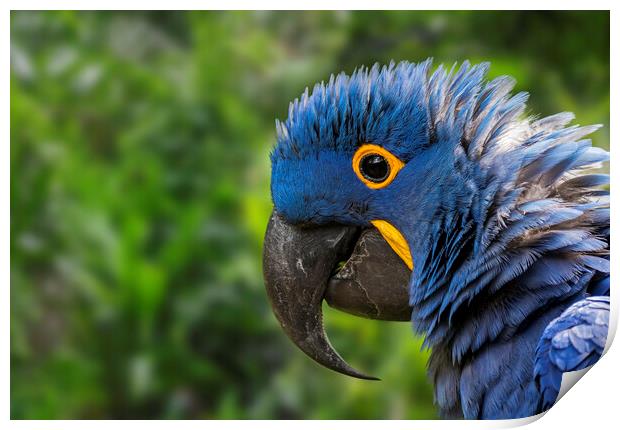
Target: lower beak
[{"x": 300, "y": 266}]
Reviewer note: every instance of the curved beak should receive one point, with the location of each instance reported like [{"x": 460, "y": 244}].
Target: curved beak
[{"x": 304, "y": 265}]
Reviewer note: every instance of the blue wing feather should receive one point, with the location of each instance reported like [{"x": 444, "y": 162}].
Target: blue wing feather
[{"x": 573, "y": 341}]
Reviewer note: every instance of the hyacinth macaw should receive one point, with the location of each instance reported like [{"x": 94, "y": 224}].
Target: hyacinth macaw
[{"x": 402, "y": 194}]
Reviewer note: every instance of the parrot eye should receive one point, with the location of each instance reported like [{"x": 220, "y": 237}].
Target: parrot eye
[{"x": 375, "y": 166}]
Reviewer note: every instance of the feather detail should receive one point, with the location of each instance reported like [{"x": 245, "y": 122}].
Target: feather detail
[{"x": 573, "y": 341}]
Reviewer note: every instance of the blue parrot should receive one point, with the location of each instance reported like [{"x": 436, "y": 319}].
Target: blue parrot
[{"x": 401, "y": 194}]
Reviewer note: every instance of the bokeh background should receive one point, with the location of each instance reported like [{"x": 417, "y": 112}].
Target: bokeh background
[{"x": 140, "y": 195}]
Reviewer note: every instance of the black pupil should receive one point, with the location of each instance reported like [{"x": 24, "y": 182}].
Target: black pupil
[{"x": 374, "y": 167}]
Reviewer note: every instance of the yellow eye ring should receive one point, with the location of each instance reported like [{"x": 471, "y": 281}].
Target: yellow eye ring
[{"x": 375, "y": 166}]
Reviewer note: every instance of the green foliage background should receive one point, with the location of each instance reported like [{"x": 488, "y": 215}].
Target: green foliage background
[{"x": 140, "y": 195}]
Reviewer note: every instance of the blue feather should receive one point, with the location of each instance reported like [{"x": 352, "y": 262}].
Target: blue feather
[{"x": 573, "y": 341}]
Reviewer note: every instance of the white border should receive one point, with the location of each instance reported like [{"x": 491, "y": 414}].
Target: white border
[{"x": 590, "y": 405}]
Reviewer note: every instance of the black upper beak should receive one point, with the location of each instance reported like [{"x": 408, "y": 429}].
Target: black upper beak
[{"x": 300, "y": 269}]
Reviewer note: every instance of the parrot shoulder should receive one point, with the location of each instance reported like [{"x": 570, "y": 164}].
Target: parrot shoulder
[{"x": 573, "y": 341}]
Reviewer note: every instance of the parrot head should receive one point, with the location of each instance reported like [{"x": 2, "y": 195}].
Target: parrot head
[
  {"x": 387, "y": 181},
  {"x": 352, "y": 161}
]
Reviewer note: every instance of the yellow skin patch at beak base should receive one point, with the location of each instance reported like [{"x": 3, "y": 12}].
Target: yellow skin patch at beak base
[{"x": 395, "y": 240}]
